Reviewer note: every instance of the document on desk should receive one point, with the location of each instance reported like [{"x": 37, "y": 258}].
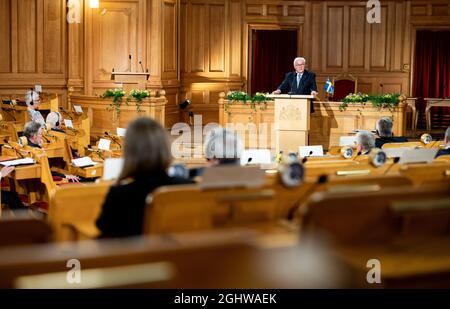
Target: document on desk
[
  {"x": 83, "y": 162},
  {"x": 18, "y": 162}
]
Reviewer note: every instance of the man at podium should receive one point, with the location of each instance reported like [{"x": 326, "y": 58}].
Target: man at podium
[{"x": 300, "y": 81}]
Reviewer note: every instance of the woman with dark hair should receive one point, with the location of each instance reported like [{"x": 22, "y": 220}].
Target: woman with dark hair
[{"x": 146, "y": 160}]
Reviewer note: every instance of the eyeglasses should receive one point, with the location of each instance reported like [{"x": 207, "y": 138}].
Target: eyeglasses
[{"x": 299, "y": 65}]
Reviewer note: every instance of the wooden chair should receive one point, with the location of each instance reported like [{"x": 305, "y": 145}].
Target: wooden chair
[
  {"x": 187, "y": 208},
  {"x": 405, "y": 144},
  {"x": 360, "y": 217},
  {"x": 232, "y": 259},
  {"x": 437, "y": 171},
  {"x": 23, "y": 230},
  {"x": 74, "y": 209},
  {"x": 344, "y": 84}
]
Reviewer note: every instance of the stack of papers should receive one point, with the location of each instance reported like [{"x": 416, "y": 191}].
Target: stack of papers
[
  {"x": 18, "y": 162},
  {"x": 83, "y": 162}
]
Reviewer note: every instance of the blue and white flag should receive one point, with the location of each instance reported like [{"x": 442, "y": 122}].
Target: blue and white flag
[{"x": 329, "y": 88}]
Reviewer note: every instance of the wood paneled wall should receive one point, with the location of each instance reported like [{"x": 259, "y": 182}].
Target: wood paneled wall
[
  {"x": 198, "y": 48},
  {"x": 32, "y": 46}
]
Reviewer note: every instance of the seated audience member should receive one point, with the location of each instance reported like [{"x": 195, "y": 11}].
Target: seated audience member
[
  {"x": 54, "y": 119},
  {"x": 33, "y": 132},
  {"x": 222, "y": 146},
  {"x": 10, "y": 198},
  {"x": 384, "y": 132},
  {"x": 365, "y": 141},
  {"x": 446, "y": 150},
  {"x": 146, "y": 160},
  {"x": 32, "y": 100}
]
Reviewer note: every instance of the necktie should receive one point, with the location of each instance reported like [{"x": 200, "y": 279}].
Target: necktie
[{"x": 299, "y": 76}]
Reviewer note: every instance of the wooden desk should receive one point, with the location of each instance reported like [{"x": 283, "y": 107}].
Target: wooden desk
[
  {"x": 26, "y": 172},
  {"x": 87, "y": 172},
  {"x": 434, "y": 102}
]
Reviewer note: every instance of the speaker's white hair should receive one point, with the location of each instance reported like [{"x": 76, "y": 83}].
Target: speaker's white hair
[{"x": 300, "y": 59}]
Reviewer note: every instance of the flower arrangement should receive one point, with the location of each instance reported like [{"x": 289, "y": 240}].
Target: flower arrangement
[
  {"x": 117, "y": 95},
  {"x": 389, "y": 101},
  {"x": 238, "y": 96},
  {"x": 138, "y": 95},
  {"x": 259, "y": 98}
]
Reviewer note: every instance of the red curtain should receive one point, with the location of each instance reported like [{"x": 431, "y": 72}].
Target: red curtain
[
  {"x": 432, "y": 68},
  {"x": 272, "y": 57}
]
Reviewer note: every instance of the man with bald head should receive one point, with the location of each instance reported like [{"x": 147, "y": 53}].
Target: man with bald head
[{"x": 299, "y": 81}]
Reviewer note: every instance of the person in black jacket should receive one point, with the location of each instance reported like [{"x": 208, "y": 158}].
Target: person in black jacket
[
  {"x": 446, "y": 150},
  {"x": 384, "y": 132},
  {"x": 146, "y": 160},
  {"x": 299, "y": 81}
]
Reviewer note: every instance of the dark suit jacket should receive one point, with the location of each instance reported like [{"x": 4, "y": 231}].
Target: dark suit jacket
[
  {"x": 393, "y": 139},
  {"x": 306, "y": 85},
  {"x": 124, "y": 207},
  {"x": 443, "y": 152}
]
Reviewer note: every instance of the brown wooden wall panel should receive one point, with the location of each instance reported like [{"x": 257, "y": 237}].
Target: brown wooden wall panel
[
  {"x": 379, "y": 41},
  {"x": 315, "y": 60},
  {"x": 5, "y": 36},
  {"x": 440, "y": 10},
  {"x": 27, "y": 35},
  {"x": 254, "y": 9},
  {"x": 170, "y": 38},
  {"x": 296, "y": 10},
  {"x": 335, "y": 42},
  {"x": 398, "y": 35},
  {"x": 184, "y": 38},
  {"x": 357, "y": 37},
  {"x": 53, "y": 36},
  {"x": 197, "y": 35},
  {"x": 217, "y": 38},
  {"x": 114, "y": 38},
  {"x": 235, "y": 39},
  {"x": 276, "y": 10},
  {"x": 419, "y": 10}
]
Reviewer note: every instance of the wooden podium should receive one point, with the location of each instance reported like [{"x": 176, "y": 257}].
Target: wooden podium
[
  {"x": 130, "y": 80},
  {"x": 291, "y": 120}
]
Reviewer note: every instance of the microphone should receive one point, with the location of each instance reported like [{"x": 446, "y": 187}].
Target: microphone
[
  {"x": 321, "y": 180},
  {"x": 114, "y": 139},
  {"x": 306, "y": 158},
  {"x": 140, "y": 62},
  {"x": 13, "y": 148},
  {"x": 129, "y": 62},
  {"x": 381, "y": 85},
  {"x": 248, "y": 161},
  {"x": 396, "y": 159},
  {"x": 65, "y": 112},
  {"x": 191, "y": 115}
]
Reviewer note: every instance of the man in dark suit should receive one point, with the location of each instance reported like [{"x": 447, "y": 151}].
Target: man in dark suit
[
  {"x": 446, "y": 150},
  {"x": 384, "y": 132},
  {"x": 300, "y": 81}
]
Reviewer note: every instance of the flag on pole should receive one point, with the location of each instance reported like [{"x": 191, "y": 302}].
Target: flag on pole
[{"x": 329, "y": 88}]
